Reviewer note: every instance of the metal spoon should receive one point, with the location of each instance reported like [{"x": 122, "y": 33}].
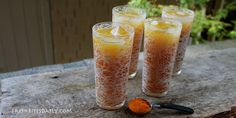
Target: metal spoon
[{"x": 182, "y": 109}]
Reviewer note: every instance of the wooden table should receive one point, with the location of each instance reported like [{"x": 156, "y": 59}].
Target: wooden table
[{"x": 207, "y": 84}]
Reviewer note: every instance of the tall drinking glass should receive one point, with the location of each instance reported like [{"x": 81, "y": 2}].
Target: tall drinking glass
[
  {"x": 186, "y": 17},
  {"x": 161, "y": 38},
  {"x": 112, "y": 43},
  {"x": 135, "y": 17}
]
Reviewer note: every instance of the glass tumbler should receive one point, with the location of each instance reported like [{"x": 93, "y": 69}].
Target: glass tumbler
[
  {"x": 112, "y": 44},
  {"x": 185, "y": 16},
  {"x": 134, "y": 17},
  {"x": 161, "y": 38}
]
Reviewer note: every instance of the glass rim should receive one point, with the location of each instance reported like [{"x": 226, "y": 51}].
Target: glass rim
[
  {"x": 141, "y": 12},
  {"x": 190, "y": 12},
  {"x": 177, "y": 23},
  {"x": 127, "y": 27}
]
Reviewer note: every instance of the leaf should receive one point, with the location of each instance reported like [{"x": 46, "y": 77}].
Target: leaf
[{"x": 232, "y": 34}]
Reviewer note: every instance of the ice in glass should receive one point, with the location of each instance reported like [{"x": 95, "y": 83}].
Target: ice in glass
[
  {"x": 186, "y": 17},
  {"x": 161, "y": 38},
  {"x": 134, "y": 17},
  {"x": 112, "y": 43}
]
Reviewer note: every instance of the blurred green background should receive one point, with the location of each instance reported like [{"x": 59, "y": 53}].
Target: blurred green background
[{"x": 214, "y": 19}]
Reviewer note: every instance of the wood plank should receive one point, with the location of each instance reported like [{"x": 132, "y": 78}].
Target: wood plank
[
  {"x": 33, "y": 32},
  {"x": 7, "y": 36},
  {"x": 25, "y": 34},
  {"x": 45, "y": 30},
  {"x": 19, "y": 33},
  {"x": 2, "y": 59}
]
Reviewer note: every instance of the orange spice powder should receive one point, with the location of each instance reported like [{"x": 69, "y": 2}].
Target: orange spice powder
[{"x": 139, "y": 105}]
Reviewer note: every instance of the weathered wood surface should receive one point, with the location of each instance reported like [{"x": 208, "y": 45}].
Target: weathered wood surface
[{"x": 207, "y": 84}]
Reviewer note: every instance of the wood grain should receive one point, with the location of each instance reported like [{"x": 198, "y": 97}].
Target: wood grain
[
  {"x": 2, "y": 60},
  {"x": 7, "y": 36},
  {"x": 45, "y": 30},
  {"x": 25, "y": 34},
  {"x": 19, "y": 33},
  {"x": 32, "y": 28}
]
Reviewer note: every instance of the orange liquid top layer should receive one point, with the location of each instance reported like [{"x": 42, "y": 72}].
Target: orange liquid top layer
[
  {"x": 162, "y": 38},
  {"x": 182, "y": 13},
  {"x": 130, "y": 14},
  {"x": 112, "y": 46},
  {"x": 130, "y": 18},
  {"x": 164, "y": 25},
  {"x": 109, "y": 31},
  {"x": 178, "y": 13}
]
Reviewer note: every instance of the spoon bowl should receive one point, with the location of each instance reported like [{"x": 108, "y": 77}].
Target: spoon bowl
[{"x": 141, "y": 106}]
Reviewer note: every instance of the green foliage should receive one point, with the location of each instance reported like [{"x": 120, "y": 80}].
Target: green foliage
[
  {"x": 152, "y": 10},
  {"x": 197, "y": 27},
  {"x": 232, "y": 34},
  {"x": 212, "y": 24},
  {"x": 193, "y": 4},
  {"x": 216, "y": 28},
  {"x": 231, "y": 6}
]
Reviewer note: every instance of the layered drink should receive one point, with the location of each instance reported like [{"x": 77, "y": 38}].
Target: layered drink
[
  {"x": 134, "y": 17},
  {"x": 161, "y": 38},
  {"x": 186, "y": 17},
  {"x": 112, "y": 43}
]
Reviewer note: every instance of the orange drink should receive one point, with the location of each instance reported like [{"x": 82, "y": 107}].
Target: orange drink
[
  {"x": 185, "y": 16},
  {"x": 161, "y": 38},
  {"x": 112, "y": 43},
  {"x": 134, "y": 17}
]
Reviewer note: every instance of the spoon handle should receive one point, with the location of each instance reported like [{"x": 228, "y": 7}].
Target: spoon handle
[{"x": 183, "y": 109}]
